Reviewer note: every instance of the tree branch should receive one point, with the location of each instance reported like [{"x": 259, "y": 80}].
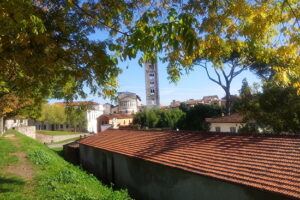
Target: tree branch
[
  {"x": 104, "y": 24},
  {"x": 212, "y": 79},
  {"x": 238, "y": 72},
  {"x": 296, "y": 18}
]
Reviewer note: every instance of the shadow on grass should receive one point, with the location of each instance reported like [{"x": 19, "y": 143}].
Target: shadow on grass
[
  {"x": 11, "y": 184},
  {"x": 58, "y": 151}
]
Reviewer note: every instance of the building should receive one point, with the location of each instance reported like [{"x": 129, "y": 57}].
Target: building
[
  {"x": 152, "y": 84},
  {"x": 14, "y": 123},
  {"x": 229, "y": 123},
  {"x": 209, "y": 100},
  {"x": 94, "y": 110},
  {"x": 174, "y": 165},
  {"x": 128, "y": 103},
  {"x": 113, "y": 121},
  {"x": 107, "y": 108}
]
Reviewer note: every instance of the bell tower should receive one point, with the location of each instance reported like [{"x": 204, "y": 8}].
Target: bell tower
[{"x": 152, "y": 86}]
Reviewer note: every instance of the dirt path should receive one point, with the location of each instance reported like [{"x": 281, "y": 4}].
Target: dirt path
[{"x": 23, "y": 168}]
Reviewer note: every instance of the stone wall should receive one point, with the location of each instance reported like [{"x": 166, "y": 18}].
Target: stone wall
[
  {"x": 56, "y": 138},
  {"x": 27, "y": 130},
  {"x": 150, "y": 181}
]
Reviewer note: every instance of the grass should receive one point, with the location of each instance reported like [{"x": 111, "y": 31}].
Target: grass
[
  {"x": 6, "y": 148},
  {"x": 54, "y": 178},
  {"x": 11, "y": 187},
  {"x": 53, "y": 133},
  {"x": 65, "y": 141}
]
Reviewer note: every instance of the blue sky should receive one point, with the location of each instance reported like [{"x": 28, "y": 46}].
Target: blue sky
[{"x": 195, "y": 85}]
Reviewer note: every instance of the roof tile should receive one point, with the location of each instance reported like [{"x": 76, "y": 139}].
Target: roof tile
[{"x": 266, "y": 162}]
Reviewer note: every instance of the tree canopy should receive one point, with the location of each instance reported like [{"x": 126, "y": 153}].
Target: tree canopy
[
  {"x": 46, "y": 51},
  {"x": 265, "y": 35},
  {"x": 276, "y": 109}
]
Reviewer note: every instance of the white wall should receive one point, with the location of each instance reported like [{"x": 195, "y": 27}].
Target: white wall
[
  {"x": 13, "y": 123},
  {"x": 225, "y": 127},
  {"x": 128, "y": 105},
  {"x": 91, "y": 117}
]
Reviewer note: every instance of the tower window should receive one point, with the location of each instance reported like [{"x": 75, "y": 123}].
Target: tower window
[
  {"x": 152, "y": 91},
  {"x": 151, "y": 76}
]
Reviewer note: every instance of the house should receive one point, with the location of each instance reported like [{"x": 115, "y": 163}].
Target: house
[
  {"x": 175, "y": 165},
  {"x": 113, "y": 120},
  {"x": 229, "y": 123}
]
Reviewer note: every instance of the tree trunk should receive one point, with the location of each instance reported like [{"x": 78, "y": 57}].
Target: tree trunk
[
  {"x": 1, "y": 125},
  {"x": 228, "y": 102}
]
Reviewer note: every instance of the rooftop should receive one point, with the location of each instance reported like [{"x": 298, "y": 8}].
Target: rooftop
[
  {"x": 233, "y": 118},
  {"x": 269, "y": 163},
  {"x": 118, "y": 116},
  {"x": 77, "y": 103}
]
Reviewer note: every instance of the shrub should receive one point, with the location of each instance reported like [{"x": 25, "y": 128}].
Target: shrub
[{"x": 40, "y": 157}]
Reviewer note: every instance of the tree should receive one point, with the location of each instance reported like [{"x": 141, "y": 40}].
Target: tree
[
  {"x": 76, "y": 117},
  {"x": 195, "y": 117},
  {"x": 236, "y": 65},
  {"x": 155, "y": 118},
  {"x": 265, "y": 34},
  {"x": 276, "y": 108},
  {"x": 12, "y": 106},
  {"x": 45, "y": 51},
  {"x": 53, "y": 114}
]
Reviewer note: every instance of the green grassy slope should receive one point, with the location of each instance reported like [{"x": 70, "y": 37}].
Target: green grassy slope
[{"x": 54, "y": 177}]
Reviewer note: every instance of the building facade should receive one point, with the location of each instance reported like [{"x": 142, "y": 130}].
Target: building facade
[
  {"x": 113, "y": 121},
  {"x": 92, "y": 115},
  {"x": 152, "y": 84},
  {"x": 14, "y": 123},
  {"x": 128, "y": 103},
  {"x": 230, "y": 123}
]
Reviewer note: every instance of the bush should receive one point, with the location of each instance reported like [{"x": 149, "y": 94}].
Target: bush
[
  {"x": 40, "y": 157},
  {"x": 155, "y": 118}
]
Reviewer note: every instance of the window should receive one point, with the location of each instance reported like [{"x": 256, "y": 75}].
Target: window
[
  {"x": 61, "y": 126},
  {"x": 233, "y": 129},
  {"x": 218, "y": 129},
  {"x": 124, "y": 122},
  {"x": 152, "y": 84},
  {"x": 151, "y": 76},
  {"x": 152, "y": 91},
  {"x": 21, "y": 121}
]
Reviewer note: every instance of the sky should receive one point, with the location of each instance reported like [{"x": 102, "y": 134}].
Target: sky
[{"x": 194, "y": 85}]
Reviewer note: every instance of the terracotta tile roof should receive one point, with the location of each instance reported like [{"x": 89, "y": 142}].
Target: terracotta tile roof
[
  {"x": 118, "y": 116},
  {"x": 76, "y": 103},
  {"x": 234, "y": 118},
  {"x": 264, "y": 162}
]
